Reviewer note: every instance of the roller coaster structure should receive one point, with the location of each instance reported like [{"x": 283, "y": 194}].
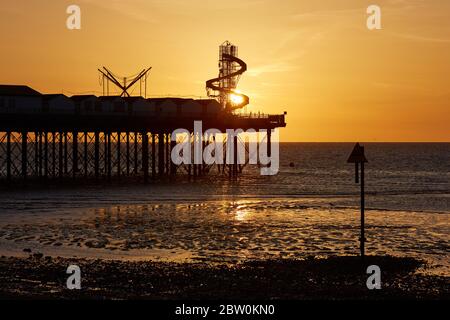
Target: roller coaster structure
[{"x": 224, "y": 86}]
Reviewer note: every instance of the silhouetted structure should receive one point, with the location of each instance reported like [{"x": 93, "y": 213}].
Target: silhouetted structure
[
  {"x": 124, "y": 83},
  {"x": 57, "y": 136},
  {"x": 359, "y": 159},
  {"x": 230, "y": 70},
  {"x": 46, "y": 136}
]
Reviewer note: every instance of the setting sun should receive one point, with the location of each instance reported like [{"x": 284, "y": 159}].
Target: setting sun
[{"x": 236, "y": 98}]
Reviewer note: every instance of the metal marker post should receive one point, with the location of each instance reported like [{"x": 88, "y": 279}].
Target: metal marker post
[
  {"x": 362, "y": 239},
  {"x": 358, "y": 158}
]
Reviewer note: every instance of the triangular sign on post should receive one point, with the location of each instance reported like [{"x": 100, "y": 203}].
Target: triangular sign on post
[
  {"x": 357, "y": 155},
  {"x": 358, "y": 158}
]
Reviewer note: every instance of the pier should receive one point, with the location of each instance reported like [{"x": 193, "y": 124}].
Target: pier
[{"x": 55, "y": 137}]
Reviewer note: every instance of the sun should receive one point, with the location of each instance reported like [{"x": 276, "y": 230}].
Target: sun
[{"x": 236, "y": 99}]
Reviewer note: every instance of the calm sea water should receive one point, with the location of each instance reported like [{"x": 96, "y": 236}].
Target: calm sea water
[
  {"x": 308, "y": 208},
  {"x": 399, "y": 176}
]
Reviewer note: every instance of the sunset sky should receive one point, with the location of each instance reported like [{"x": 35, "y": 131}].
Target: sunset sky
[{"x": 317, "y": 60}]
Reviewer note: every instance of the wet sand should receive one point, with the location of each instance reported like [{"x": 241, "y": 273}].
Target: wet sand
[
  {"x": 243, "y": 249},
  {"x": 219, "y": 231},
  {"x": 334, "y": 278}
]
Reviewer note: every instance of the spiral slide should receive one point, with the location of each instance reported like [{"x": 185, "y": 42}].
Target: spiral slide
[{"x": 214, "y": 85}]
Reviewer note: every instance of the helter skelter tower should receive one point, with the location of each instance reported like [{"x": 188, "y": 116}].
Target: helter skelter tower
[{"x": 223, "y": 88}]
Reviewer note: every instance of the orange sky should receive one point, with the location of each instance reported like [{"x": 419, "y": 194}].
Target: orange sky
[{"x": 337, "y": 80}]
